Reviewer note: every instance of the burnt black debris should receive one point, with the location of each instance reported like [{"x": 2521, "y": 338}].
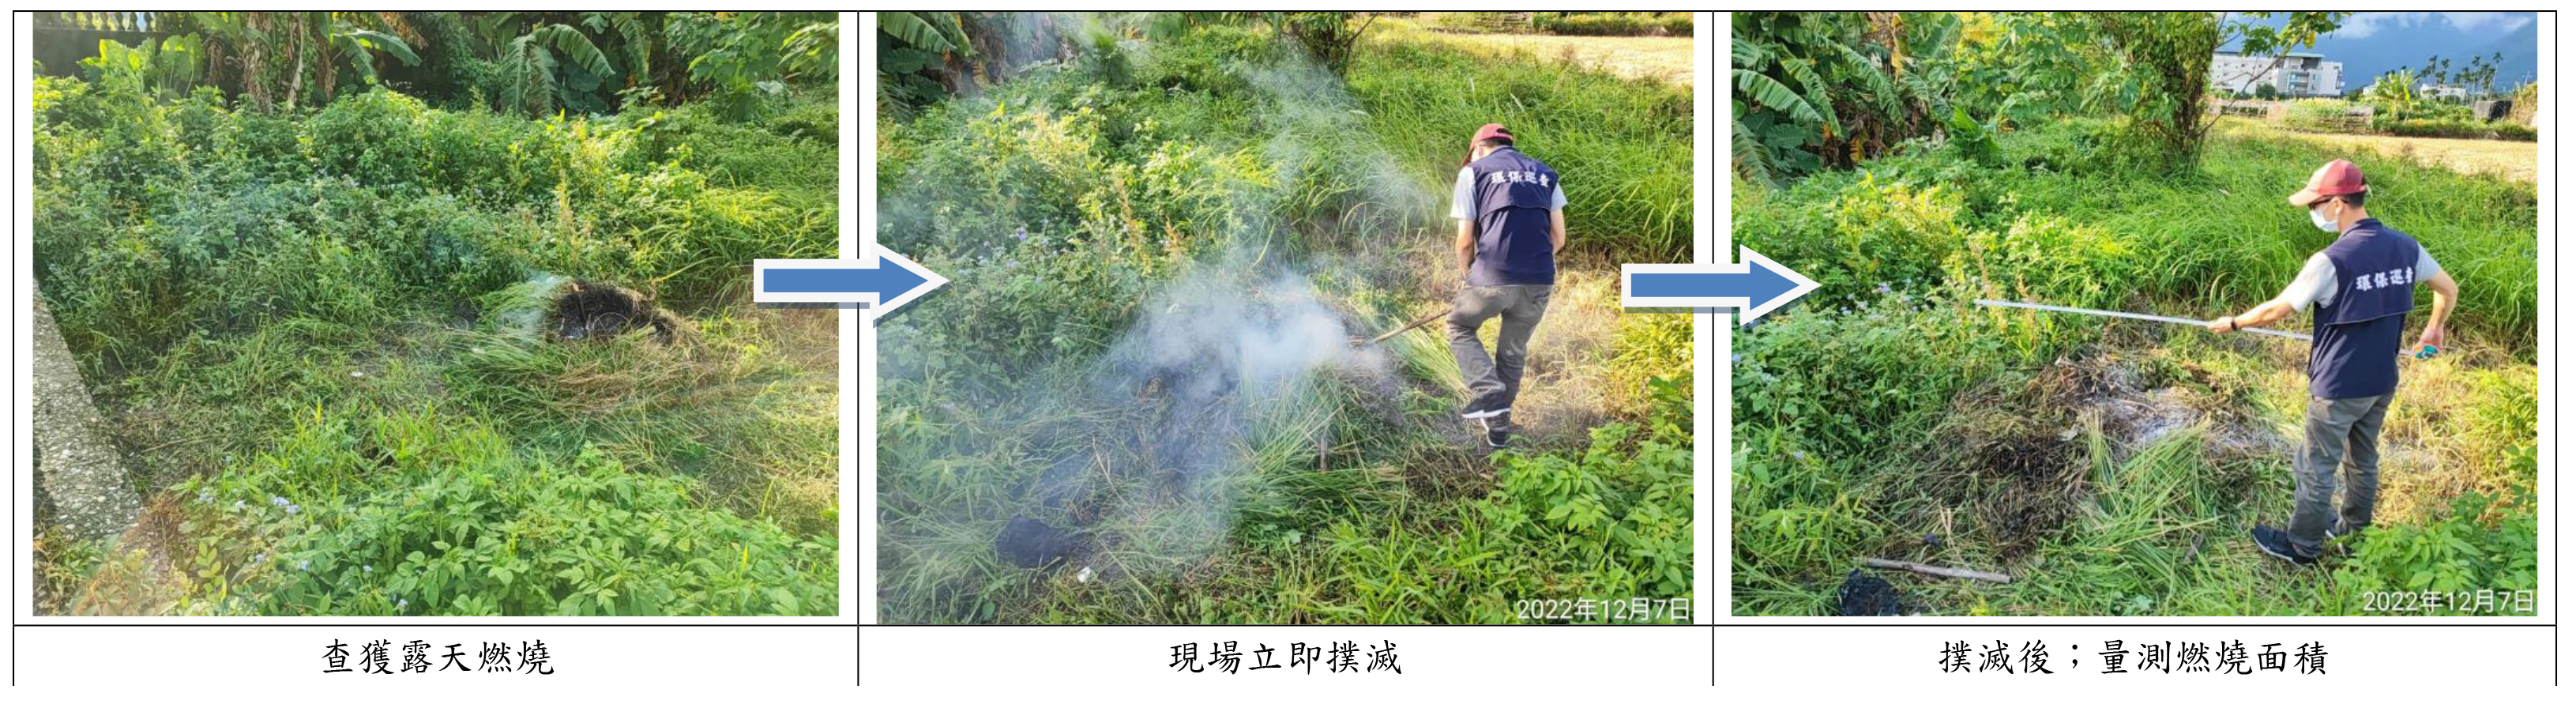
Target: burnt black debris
[
  {"x": 1864, "y": 595},
  {"x": 584, "y": 309},
  {"x": 1029, "y": 543},
  {"x": 1162, "y": 423}
]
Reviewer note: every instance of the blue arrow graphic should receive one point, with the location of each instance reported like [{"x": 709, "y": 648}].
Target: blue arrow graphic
[
  {"x": 1754, "y": 288},
  {"x": 885, "y": 279},
  {"x": 885, "y": 282},
  {"x": 1760, "y": 285}
]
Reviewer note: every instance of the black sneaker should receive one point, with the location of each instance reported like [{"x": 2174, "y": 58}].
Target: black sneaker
[
  {"x": 1472, "y": 412},
  {"x": 1498, "y": 431},
  {"x": 2276, "y": 543}
]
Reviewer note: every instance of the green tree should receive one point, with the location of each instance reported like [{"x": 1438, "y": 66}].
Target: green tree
[
  {"x": 2394, "y": 91},
  {"x": 741, "y": 58},
  {"x": 1820, "y": 89},
  {"x": 531, "y": 60},
  {"x": 357, "y": 47},
  {"x": 2160, "y": 73},
  {"x": 296, "y": 58},
  {"x": 913, "y": 51}
]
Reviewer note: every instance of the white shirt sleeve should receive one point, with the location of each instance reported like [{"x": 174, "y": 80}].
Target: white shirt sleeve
[
  {"x": 1556, "y": 200},
  {"x": 1462, "y": 198},
  {"x": 2425, "y": 267},
  {"x": 2314, "y": 286}
]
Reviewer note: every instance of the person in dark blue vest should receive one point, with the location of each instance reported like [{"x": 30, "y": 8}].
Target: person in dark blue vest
[
  {"x": 1511, "y": 222},
  {"x": 2362, "y": 287}
]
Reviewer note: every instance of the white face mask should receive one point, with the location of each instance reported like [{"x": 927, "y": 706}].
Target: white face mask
[{"x": 2323, "y": 224}]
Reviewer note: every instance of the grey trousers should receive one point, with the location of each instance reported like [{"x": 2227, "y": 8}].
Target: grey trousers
[
  {"x": 1494, "y": 381},
  {"x": 2342, "y": 432}
]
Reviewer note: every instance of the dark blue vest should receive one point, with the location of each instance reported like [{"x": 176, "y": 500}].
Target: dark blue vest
[
  {"x": 2357, "y": 336},
  {"x": 1513, "y": 234}
]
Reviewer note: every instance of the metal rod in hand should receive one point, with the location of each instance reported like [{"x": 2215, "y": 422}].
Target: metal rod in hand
[
  {"x": 2135, "y": 316},
  {"x": 1408, "y": 326}
]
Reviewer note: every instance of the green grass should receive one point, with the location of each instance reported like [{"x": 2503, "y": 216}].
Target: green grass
[
  {"x": 2215, "y": 239},
  {"x": 1072, "y": 202},
  {"x": 332, "y": 310},
  {"x": 433, "y": 514},
  {"x": 2112, "y": 468},
  {"x": 1610, "y": 137}
]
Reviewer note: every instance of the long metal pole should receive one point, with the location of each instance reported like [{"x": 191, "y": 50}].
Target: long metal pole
[{"x": 2135, "y": 316}]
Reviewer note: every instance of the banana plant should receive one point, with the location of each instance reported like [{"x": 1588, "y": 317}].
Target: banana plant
[
  {"x": 581, "y": 62},
  {"x": 923, "y": 43},
  {"x": 529, "y": 68},
  {"x": 299, "y": 54},
  {"x": 360, "y": 47}
]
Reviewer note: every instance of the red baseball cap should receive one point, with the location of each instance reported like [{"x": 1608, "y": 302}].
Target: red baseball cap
[
  {"x": 1491, "y": 130},
  {"x": 2336, "y": 179}
]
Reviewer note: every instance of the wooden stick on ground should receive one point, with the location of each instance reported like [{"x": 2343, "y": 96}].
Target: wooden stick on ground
[
  {"x": 1935, "y": 570},
  {"x": 1408, "y": 326}
]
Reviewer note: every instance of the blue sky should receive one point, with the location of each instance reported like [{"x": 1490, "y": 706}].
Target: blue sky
[
  {"x": 2363, "y": 25},
  {"x": 2369, "y": 43}
]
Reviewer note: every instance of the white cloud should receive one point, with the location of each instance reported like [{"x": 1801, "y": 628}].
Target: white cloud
[
  {"x": 2365, "y": 24},
  {"x": 2473, "y": 21}
]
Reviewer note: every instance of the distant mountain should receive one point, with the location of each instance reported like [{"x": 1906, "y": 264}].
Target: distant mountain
[{"x": 2521, "y": 56}]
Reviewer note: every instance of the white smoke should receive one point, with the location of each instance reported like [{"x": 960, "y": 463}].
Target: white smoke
[{"x": 1144, "y": 463}]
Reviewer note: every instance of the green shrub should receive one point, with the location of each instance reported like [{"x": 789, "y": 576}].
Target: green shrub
[
  {"x": 2455, "y": 127},
  {"x": 1203, "y": 60},
  {"x": 1470, "y": 22},
  {"x": 124, "y": 150},
  {"x": 138, "y": 287},
  {"x": 1890, "y": 232},
  {"x": 2318, "y": 114},
  {"x": 199, "y": 121},
  {"x": 262, "y": 146},
  {"x": 60, "y": 99},
  {"x": 2468, "y": 552},
  {"x": 490, "y": 152},
  {"x": 1614, "y": 23},
  {"x": 1021, "y": 170},
  {"x": 1187, "y": 197},
  {"x": 330, "y": 278},
  {"x": 373, "y": 136},
  {"x": 723, "y": 230},
  {"x": 293, "y": 304},
  {"x": 815, "y": 121},
  {"x": 470, "y": 528},
  {"x": 442, "y": 246},
  {"x": 1680, "y": 24},
  {"x": 1972, "y": 140},
  {"x": 1649, "y": 348},
  {"x": 1626, "y": 497}
]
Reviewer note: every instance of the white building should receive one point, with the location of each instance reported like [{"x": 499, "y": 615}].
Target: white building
[{"x": 2298, "y": 74}]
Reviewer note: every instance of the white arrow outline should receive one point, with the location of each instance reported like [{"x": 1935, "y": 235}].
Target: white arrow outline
[
  {"x": 1745, "y": 309},
  {"x": 876, "y": 258}
]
